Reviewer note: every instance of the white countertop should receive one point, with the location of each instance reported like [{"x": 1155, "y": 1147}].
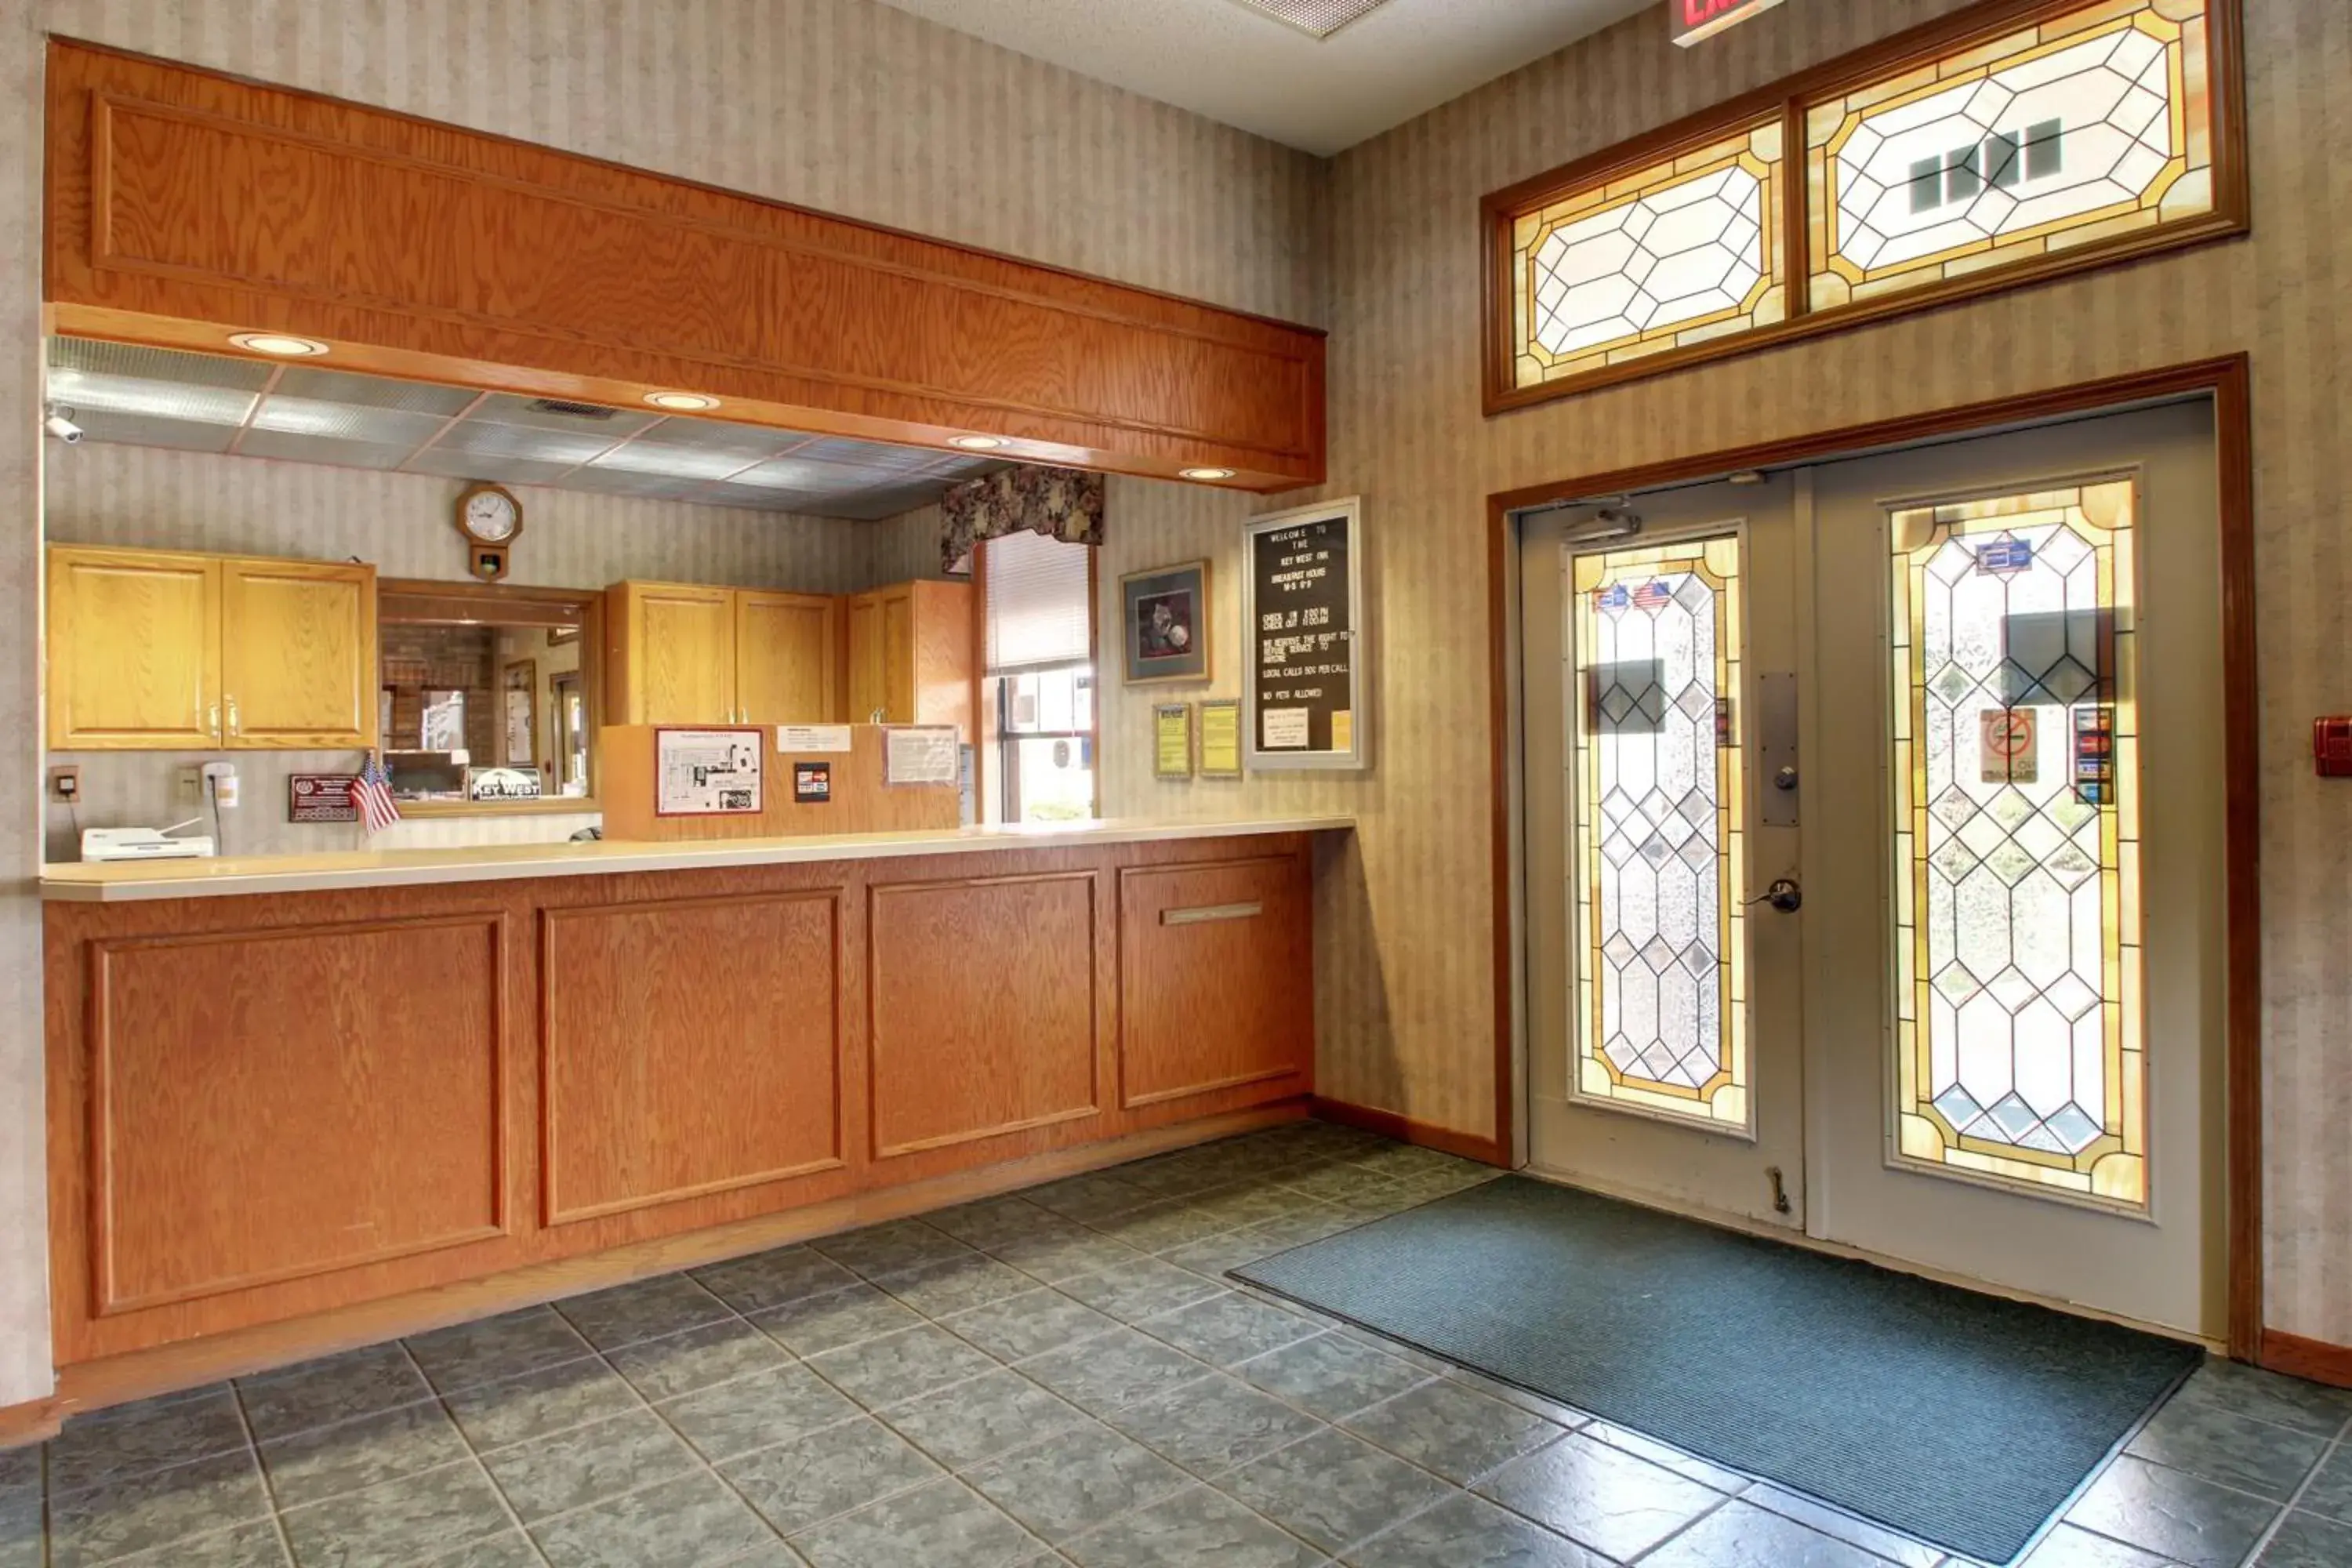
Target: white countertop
[{"x": 122, "y": 881}]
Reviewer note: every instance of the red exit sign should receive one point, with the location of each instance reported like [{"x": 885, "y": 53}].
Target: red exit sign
[{"x": 1695, "y": 19}]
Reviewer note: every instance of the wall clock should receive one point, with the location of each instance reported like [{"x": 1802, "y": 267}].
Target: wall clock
[{"x": 489, "y": 517}]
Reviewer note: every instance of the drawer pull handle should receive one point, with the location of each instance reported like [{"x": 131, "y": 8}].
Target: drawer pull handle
[{"x": 1202, "y": 914}]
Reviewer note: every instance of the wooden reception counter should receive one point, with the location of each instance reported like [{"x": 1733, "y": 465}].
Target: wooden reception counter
[{"x": 287, "y": 1087}]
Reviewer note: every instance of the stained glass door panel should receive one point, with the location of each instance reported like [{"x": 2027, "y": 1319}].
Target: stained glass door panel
[
  {"x": 2018, "y": 1029},
  {"x": 1658, "y": 808}
]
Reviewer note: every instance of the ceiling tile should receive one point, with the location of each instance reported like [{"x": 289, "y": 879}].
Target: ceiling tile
[
  {"x": 375, "y": 391},
  {"x": 1316, "y": 18},
  {"x": 646, "y": 455},
  {"x": 134, "y": 362},
  {"x": 346, "y": 421},
  {"x": 140, "y": 430},
  {"x": 288, "y": 448},
  {"x": 564, "y": 448},
  {"x": 488, "y": 469},
  {"x": 504, "y": 408}
]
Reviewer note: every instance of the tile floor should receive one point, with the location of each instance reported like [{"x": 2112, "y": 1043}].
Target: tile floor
[{"x": 1059, "y": 1377}]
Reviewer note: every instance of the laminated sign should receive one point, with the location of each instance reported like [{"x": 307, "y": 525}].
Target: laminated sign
[{"x": 2009, "y": 741}]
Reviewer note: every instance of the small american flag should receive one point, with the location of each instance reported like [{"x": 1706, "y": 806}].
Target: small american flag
[
  {"x": 377, "y": 808},
  {"x": 1652, "y": 595}
]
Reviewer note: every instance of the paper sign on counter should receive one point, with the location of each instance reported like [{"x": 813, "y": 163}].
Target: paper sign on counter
[
  {"x": 705, "y": 773},
  {"x": 820, "y": 738},
  {"x": 925, "y": 754}
]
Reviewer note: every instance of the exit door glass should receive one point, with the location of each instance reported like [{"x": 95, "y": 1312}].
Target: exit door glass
[
  {"x": 2017, "y": 960},
  {"x": 1659, "y": 811}
]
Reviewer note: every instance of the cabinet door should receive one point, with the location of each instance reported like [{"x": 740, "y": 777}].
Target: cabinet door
[
  {"x": 899, "y": 656},
  {"x": 677, "y": 663},
  {"x": 784, "y": 657},
  {"x": 867, "y": 691},
  {"x": 134, "y": 650},
  {"x": 297, "y": 653}
]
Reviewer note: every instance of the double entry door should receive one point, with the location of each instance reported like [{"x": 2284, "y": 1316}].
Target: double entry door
[{"x": 1874, "y": 842}]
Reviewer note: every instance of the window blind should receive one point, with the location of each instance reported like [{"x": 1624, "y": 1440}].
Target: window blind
[{"x": 1039, "y": 614}]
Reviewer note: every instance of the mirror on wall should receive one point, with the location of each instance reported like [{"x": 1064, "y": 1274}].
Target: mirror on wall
[{"x": 486, "y": 694}]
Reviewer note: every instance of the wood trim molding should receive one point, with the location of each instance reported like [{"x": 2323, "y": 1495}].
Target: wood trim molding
[
  {"x": 183, "y": 204},
  {"x": 108, "y": 1298},
  {"x": 1788, "y": 100},
  {"x": 34, "y": 1421},
  {"x": 2297, "y": 1356},
  {"x": 2227, "y": 380},
  {"x": 1406, "y": 1130}
]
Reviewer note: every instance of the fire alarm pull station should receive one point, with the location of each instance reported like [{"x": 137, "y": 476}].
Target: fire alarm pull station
[{"x": 2331, "y": 747}]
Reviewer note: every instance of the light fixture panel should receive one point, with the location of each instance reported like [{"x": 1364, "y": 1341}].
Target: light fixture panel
[{"x": 1316, "y": 18}]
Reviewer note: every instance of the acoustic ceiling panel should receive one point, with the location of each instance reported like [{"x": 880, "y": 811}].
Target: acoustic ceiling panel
[
  {"x": 1316, "y": 18},
  {"x": 305, "y": 413}
]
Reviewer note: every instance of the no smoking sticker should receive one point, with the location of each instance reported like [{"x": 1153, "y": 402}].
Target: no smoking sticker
[{"x": 2008, "y": 740}]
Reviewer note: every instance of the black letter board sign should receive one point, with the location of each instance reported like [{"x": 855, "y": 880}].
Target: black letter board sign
[{"x": 1303, "y": 608}]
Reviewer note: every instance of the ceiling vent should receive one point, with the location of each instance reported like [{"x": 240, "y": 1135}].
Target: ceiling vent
[
  {"x": 576, "y": 410},
  {"x": 1316, "y": 18}
]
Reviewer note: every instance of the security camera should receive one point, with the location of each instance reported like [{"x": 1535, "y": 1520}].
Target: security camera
[{"x": 62, "y": 427}]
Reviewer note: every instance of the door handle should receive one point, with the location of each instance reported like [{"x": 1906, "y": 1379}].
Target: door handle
[
  {"x": 212, "y": 721},
  {"x": 1783, "y": 895},
  {"x": 232, "y": 716}
]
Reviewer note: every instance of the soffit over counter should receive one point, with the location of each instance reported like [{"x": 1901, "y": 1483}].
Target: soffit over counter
[{"x": 186, "y": 207}]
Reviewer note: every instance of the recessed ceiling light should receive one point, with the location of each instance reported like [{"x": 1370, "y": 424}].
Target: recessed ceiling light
[
  {"x": 681, "y": 402},
  {"x": 978, "y": 442},
  {"x": 1206, "y": 473},
  {"x": 279, "y": 343}
]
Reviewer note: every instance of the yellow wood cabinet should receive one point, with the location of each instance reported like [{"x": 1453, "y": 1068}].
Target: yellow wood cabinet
[
  {"x": 787, "y": 648},
  {"x": 688, "y": 654},
  {"x": 911, "y": 654},
  {"x": 163, "y": 651}
]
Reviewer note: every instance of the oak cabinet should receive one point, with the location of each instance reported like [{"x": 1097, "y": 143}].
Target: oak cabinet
[
  {"x": 910, "y": 656},
  {"x": 688, "y": 654},
  {"x": 152, "y": 649}
]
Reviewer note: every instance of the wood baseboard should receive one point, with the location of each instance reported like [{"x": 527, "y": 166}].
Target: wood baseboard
[
  {"x": 1405, "y": 1129},
  {"x": 33, "y": 1422},
  {"x": 192, "y": 1363},
  {"x": 2314, "y": 1358}
]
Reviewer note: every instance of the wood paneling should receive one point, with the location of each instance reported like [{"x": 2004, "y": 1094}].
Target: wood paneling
[
  {"x": 697, "y": 1039},
  {"x": 985, "y": 1009},
  {"x": 168, "y": 1369},
  {"x": 1216, "y": 968},
  {"x": 268, "y": 1104},
  {"x": 182, "y": 204},
  {"x": 297, "y": 653},
  {"x": 160, "y": 687},
  {"x": 687, "y": 1048},
  {"x": 861, "y": 801}
]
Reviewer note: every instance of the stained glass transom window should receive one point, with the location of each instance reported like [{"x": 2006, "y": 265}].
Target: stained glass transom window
[
  {"x": 1658, "y": 802},
  {"x": 2017, "y": 1027},
  {"x": 1676, "y": 253},
  {"x": 2091, "y": 125}
]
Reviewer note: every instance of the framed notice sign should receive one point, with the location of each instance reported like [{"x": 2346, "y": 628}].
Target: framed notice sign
[
  {"x": 1304, "y": 681},
  {"x": 707, "y": 772}
]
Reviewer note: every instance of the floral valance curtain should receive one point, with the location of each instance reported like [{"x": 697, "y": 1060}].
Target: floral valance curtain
[{"x": 1060, "y": 503}]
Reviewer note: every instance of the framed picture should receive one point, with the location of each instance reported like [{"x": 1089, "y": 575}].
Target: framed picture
[{"x": 1165, "y": 618}]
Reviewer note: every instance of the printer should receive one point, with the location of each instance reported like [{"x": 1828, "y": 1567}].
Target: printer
[{"x": 142, "y": 844}]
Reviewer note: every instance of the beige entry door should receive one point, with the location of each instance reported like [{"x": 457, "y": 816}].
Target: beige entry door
[
  {"x": 1660, "y": 647},
  {"x": 1988, "y": 1043},
  {"x": 2013, "y": 980}
]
